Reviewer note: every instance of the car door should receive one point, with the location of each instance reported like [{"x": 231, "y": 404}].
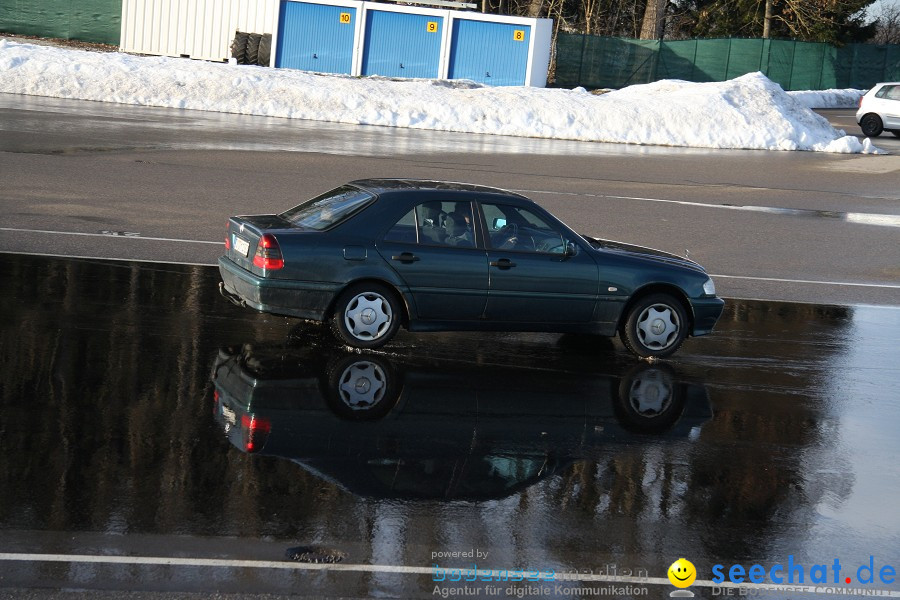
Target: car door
[
  {"x": 434, "y": 249},
  {"x": 890, "y": 106},
  {"x": 532, "y": 278}
]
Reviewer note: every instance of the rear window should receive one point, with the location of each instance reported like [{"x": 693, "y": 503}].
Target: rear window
[{"x": 329, "y": 209}]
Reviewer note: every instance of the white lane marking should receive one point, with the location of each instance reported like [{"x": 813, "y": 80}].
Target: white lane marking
[
  {"x": 873, "y": 219},
  {"x": 140, "y": 260},
  {"x": 889, "y": 286},
  {"x": 109, "y": 236},
  {"x": 858, "y": 218},
  {"x": 404, "y": 570}
]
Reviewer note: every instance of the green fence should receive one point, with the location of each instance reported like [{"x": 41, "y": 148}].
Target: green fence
[
  {"x": 602, "y": 62},
  {"x": 87, "y": 20}
]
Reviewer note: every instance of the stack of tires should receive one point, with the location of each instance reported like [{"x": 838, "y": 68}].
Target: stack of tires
[{"x": 252, "y": 48}]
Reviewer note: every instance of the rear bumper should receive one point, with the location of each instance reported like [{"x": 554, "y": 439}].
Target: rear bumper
[
  {"x": 706, "y": 312},
  {"x": 304, "y": 299}
]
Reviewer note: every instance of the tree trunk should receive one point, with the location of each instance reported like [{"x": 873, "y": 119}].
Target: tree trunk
[
  {"x": 767, "y": 23},
  {"x": 654, "y": 20}
]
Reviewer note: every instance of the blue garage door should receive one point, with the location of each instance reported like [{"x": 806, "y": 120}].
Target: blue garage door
[
  {"x": 315, "y": 37},
  {"x": 491, "y": 53},
  {"x": 402, "y": 45}
]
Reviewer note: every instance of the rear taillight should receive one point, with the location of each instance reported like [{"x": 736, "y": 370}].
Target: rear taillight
[
  {"x": 255, "y": 432},
  {"x": 268, "y": 253},
  {"x": 227, "y": 236},
  {"x": 860, "y": 102}
]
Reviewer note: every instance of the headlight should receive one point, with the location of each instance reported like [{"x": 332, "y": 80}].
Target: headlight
[{"x": 709, "y": 288}]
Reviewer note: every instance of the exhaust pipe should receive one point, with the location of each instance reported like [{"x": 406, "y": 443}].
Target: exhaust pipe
[{"x": 233, "y": 298}]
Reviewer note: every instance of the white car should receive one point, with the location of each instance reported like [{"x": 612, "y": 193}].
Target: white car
[{"x": 879, "y": 110}]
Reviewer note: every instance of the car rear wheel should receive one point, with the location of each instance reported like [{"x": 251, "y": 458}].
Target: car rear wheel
[
  {"x": 656, "y": 326},
  {"x": 366, "y": 316},
  {"x": 871, "y": 125}
]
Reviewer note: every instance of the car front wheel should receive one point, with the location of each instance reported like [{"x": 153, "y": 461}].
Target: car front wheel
[
  {"x": 871, "y": 125},
  {"x": 656, "y": 326},
  {"x": 366, "y": 316}
]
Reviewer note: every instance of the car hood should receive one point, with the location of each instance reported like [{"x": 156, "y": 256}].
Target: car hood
[{"x": 643, "y": 252}]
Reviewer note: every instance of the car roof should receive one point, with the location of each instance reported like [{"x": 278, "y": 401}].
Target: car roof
[{"x": 378, "y": 186}]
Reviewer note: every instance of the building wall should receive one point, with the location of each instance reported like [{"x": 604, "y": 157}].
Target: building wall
[
  {"x": 202, "y": 29},
  {"x": 317, "y": 35}
]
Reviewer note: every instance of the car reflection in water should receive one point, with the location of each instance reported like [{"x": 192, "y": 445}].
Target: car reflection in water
[{"x": 388, "y": 427}]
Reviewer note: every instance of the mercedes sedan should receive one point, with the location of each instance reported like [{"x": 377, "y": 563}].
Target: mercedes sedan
[{"x": 377, "y": 254}]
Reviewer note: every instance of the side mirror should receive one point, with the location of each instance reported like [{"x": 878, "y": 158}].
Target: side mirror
[{"x": 571, "y": 249}]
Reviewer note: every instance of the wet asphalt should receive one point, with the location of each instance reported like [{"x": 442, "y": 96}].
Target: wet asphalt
[{"x": 143, "y": 416}]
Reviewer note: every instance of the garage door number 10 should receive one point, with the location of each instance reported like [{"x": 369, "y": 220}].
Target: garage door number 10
[{"x": 345, "y": 18}]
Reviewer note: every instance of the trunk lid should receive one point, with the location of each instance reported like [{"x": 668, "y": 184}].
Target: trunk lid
[{"x": 243, "y": 235}]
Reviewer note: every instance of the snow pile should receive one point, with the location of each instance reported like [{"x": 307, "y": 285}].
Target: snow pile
[
  {"x": 829, "y": 98},
  {"x": 748, "y": 112}
]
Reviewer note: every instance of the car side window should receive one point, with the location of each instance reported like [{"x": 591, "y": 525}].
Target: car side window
[
  {"x": 514, "y": 228},
  {"x": 436, "y": 223},
  {"x": 890, "y": 92},
  {"x": 404, "y": 230}
]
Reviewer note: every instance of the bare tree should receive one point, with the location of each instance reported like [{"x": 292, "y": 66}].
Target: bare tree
[{"x": 887, "y": 25}]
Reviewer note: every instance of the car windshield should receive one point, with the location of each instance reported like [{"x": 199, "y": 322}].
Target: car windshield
[{"x": 328, "y": 209}]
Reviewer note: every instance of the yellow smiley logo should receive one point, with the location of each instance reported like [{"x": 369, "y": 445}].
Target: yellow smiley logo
[{"x": 682, "y": 573}]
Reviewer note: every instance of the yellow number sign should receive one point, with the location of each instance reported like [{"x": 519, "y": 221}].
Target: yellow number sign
[
  {"x": 519, "y": 35},
  {"x": 345, "y": 18},
  {"x": 432, "y": 27}
]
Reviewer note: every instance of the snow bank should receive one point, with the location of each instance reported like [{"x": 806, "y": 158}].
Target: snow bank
[
  {"x": 829, "y": 98},
  {"x": 749, "y": 112}
]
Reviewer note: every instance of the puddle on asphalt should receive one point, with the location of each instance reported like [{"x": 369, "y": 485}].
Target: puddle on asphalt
[{"x": 135, "y": 400}]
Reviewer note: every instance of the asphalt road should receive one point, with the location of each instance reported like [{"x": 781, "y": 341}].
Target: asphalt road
[
  {"x": 160, "y": 443},
  {"x": 127, "y": 473},
  {"x": 100, "y": 180}
]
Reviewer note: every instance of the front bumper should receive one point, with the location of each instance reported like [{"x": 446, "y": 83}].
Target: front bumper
[
  {"x": 706, "y": 312},
  {"x": 304, "y": 299}
]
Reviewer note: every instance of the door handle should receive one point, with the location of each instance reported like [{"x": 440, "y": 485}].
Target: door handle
[
  {"x": 503, "y": 263},
  {"x": 405, "y": 257}
]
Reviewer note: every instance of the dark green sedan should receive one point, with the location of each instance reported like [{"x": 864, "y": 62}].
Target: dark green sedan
[{"x": 377, "y": 254}]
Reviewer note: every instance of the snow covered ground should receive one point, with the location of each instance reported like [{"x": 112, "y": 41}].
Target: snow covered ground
[
  {"x": 829, "y": 98},
  {"x": 749, "y": 112}
]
